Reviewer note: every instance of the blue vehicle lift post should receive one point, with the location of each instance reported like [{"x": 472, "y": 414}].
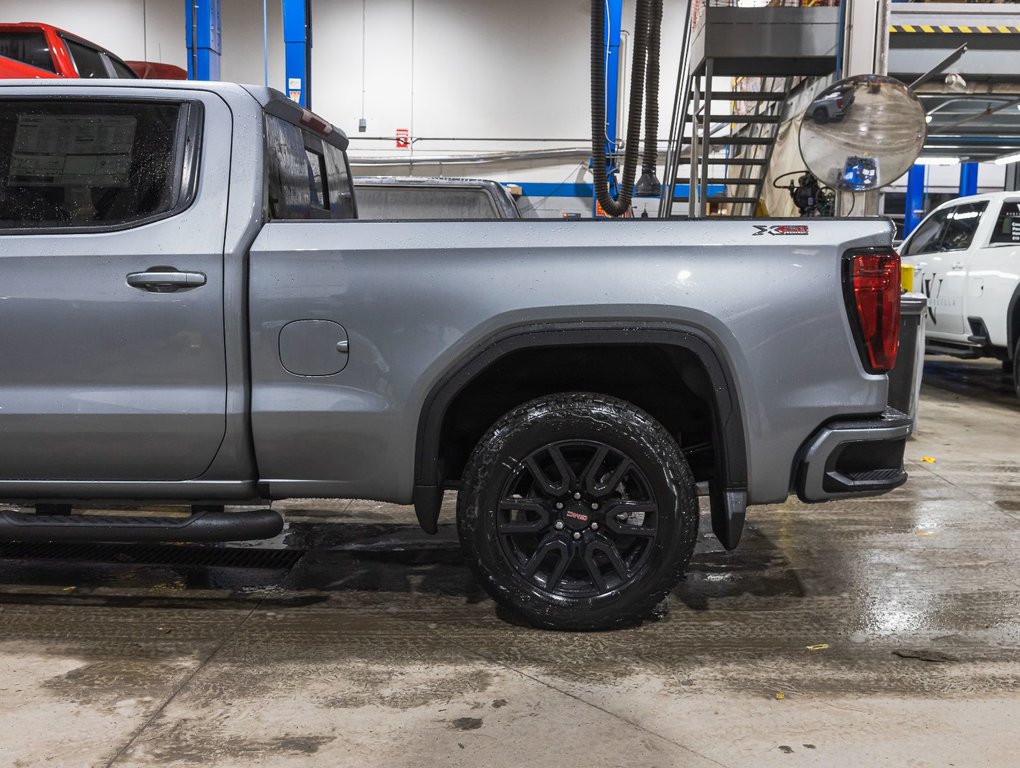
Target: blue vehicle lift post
[
  {"x": 202, "y": 34},
  {"x": 913, "y": 209},
  {"x": 297, "y": 40},
  {"x": 968, "y": 179},
  {"x": 614, "y": 19}
]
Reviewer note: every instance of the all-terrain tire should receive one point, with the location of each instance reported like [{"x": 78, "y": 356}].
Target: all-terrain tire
[{"x": 617, "y": 535}]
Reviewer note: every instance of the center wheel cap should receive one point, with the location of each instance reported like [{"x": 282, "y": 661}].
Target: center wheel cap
[{"x": 576, "y": 518}]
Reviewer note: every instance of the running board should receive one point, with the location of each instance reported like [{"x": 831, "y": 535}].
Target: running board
[{"x": 202, "y": 526}]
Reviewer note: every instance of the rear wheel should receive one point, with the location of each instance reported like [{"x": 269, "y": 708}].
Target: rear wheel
[
  {"x": 578, "y": 511},
  {"x": 821, "y": 116}
]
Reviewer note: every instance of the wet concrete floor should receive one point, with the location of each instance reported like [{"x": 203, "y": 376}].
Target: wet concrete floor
[{"x": 881, "y": 632}]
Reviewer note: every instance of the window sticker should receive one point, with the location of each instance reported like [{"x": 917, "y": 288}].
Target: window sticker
[
  {"x": 66, "y": 150},
  {"x": 1007, "y": 228}
]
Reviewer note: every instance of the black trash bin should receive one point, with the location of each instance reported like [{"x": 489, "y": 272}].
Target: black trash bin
[{"x": 905, "y": 377}]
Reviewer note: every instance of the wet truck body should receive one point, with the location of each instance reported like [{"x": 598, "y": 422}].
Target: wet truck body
[{"x": 192, "y": 313}]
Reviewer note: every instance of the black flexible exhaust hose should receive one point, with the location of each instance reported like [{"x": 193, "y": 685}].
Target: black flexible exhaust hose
[
  {"x": 621, "y": 205},
  {"x": 652, "y": 89}
]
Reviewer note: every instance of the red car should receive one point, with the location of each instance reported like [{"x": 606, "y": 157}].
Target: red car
[{"x": 30, "y": 49}]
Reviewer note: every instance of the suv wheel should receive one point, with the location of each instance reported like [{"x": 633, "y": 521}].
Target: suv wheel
[{"x": 578, "y": 511}]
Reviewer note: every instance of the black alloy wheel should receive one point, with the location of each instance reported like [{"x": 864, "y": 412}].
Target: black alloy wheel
[
  {"x": 577, "y": 518},
  {"x": 578, "y": 511}
]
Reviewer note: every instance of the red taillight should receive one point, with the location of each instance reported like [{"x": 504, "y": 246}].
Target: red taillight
[
  {"x": 873, "y": 293},
  {"x": 839, "y": 102}
]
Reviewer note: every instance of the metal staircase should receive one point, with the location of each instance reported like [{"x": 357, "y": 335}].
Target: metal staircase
[
  {"x": 731, "y": 138},
  {"x": 726, "y": 137}
]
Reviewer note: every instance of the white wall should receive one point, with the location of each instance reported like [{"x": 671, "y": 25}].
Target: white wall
[
  {"x": 242, "y": 59},
  {"x": 146, "y": 30}
]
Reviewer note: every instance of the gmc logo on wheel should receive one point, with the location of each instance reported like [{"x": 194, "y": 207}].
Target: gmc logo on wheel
[{"x": 577, "y": 516}]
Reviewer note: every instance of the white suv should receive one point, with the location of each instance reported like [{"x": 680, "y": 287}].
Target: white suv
[{"x": 966, "y": 259}]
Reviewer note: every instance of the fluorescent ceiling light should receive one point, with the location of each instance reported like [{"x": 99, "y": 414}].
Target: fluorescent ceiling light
[
  {"x": 933, "y": 160},
  {"x": 1007, "y": 159}
]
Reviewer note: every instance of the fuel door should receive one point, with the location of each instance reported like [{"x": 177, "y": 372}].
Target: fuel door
[{"x": 314, "y": 347}]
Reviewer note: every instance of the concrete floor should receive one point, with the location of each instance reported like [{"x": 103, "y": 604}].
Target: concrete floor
[{"x": 368, "y": 643}]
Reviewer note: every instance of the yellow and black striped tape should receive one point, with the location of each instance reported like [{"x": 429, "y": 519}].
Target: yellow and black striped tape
[{"x": 945, "y": 29}]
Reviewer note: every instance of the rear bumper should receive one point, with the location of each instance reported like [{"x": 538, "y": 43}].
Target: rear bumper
[{"x": 854, "y": 458}]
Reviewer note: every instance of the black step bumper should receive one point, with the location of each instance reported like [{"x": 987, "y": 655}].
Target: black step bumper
[{"x": 854, "y": 458}]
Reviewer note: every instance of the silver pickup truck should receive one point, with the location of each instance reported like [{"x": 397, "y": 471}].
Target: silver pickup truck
[{"x": 190, "y": 312}]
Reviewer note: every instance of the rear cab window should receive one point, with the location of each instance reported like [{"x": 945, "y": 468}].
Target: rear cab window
[
  {"x": 95, "y": 164},
  {"x": 306, "y": 177},
  {"x": 87, "y": 60},
  {"x": 27, "y": 47},
  {"x": 120, "y": 69},
  {"x": 1007, "y": 225}
]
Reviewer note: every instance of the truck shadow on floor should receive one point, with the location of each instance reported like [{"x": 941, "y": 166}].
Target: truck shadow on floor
[{"x": 329, "y": 558}]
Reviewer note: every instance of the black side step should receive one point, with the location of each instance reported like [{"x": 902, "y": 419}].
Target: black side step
[{"x": 203, "y": 526}]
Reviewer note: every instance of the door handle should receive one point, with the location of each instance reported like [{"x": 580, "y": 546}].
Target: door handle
[{"x": 165, "y": 280}]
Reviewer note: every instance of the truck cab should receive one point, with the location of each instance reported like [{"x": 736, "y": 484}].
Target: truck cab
[{"x": 966, "y": 260}]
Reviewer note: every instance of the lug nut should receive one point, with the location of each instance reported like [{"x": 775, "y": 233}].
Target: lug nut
[
  {"x": 577, "y": 494},
  {"x": 558, "y": 525},
  {"x": 594, "y": 505},
  {"x": 559, "y": 505},
  {"x": 577, "y": 534},
  {"x": 594, "y": 526}
]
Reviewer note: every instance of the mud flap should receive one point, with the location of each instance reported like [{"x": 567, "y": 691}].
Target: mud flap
[
  {"x": 427, "y": 500},
  {"x": 728, "y": 510}
]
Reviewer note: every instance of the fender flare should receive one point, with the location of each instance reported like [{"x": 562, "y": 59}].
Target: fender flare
[{"x": 728, "y": 490}]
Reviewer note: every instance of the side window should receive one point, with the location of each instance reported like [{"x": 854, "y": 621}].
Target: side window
[
  {"x": 960, "y": 225},
  {"x": 28, "y": 48},
  {"x": 87, "y": 61},
  {"x": 94, "y": 164},
  {"x": 1007, "y": 226},
  {"x": 926, "y": 238},
  {"x": 307, "y": 177},
  {"x": 951, "y": 229}
]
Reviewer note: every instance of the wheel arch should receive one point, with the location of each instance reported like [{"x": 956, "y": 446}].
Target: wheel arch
[{"x": 729, "y": 470}]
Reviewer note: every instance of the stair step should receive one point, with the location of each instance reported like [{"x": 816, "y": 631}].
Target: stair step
[
  {"x": 747, "y": 119},
  {"x": 731, "y": 180},
  {"x": 732, "y": 199},
  {"x": 741, "y": 96},
  {"x": 742, "y": 161},
  {"x": 736, "y": 119},
  {"x": 721, "y": 141},
  {"x": 203, "y": 526}
]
